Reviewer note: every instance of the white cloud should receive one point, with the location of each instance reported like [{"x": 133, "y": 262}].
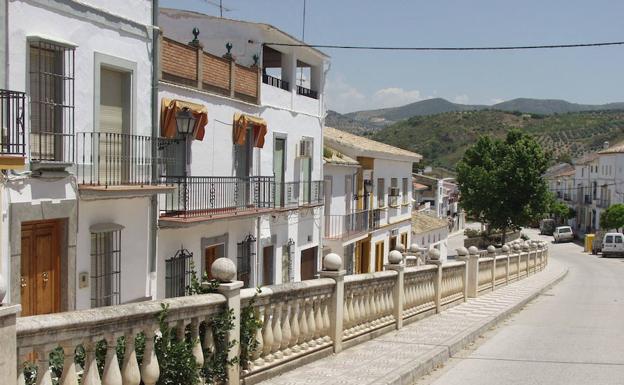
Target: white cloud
[
  {"x": 461, "y": 99},
  {"x": 343, "y": 97},
  {"x": 394, "y": 97}
]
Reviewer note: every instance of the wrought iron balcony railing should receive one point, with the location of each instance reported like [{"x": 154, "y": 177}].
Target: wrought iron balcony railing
[
  {"x": 307, "y": 92},
  {"x": 299, "y": 193},
  {"x": 275, "y": 82},
  {"x": 110, "y": 159},
  {"x": 344, "y": 226},
  {"x": 12, "y": 137},
  {"x": 198, "y": 196},
  {"x": 375, "y": 219}
]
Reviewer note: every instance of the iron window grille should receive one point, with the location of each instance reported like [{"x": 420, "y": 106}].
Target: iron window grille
[
  {"x": 178, "y": 273},
  {"x": 12, "y": 136},
  {"x": 246, "y": 252},
  {"x": 51, "y": 79},
  {"x": 105, "y": 265}
]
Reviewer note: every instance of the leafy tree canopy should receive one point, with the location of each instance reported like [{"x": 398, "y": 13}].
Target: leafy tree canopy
[
  {"x": 559, "y": 210},
  {"x": 501, "y": 181},
  {"x": 613, "y": 217}
]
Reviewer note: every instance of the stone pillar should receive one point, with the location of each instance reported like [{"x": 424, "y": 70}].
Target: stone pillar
[
  {"x": 332, "y": 268},
  {"x": 462, "y": 255},
  {"x": 506, "y": 249},
  {"x": 8, "y": 343},
  {"x": 473, "y": 272},
  {"x": 433, "y": 258},
  {"x": 224, "y": 270},
  {"x": 526, "y": 250},
  {"x": 491, "y": 250},
  {"x": 395, "y": 258}
]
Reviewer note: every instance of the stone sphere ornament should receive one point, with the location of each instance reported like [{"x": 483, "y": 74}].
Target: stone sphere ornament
[
  {"x": 491, "y": 249},
  {"x": 332, "y": 262},
  {"x": 414, "y": 248},
  {"x": 395, "y": 257},
  {"x": 462, "y": 251},
  {"x": 505, "y": 249},
  {"x": 399, "y": 247},
  {"x": 434, "y": 254},
  {"x": 473, "y": 250},
  {"x": 223, "y": 269}
]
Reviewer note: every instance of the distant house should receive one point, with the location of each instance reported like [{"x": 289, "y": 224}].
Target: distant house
[{"x": 430, "y": 232}]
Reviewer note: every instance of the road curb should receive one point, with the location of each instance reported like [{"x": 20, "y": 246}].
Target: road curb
[{"x": 432, "y": 359}]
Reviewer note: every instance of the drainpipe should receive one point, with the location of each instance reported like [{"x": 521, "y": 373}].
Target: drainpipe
[{"x": 154, "y": 197}]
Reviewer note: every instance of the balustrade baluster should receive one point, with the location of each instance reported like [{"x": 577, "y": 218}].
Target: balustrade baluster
[
  {"x": 150, "y": 371},
  {"x": 294, "y": 326},
  {"x": 208, "y": 343},
  {"x": 21, "y": 362},
  {"x": 130, "y": 372},
  {"x": 374, "y": 319},
  {"x": 69, "y": 375},
  {"x": 311, "y": 323},
  {"x": 197, "y": 348},
  {"x": 91, "y": 376},
  {"x": 303, "y": 322},
  {"x": 267, "y": 334},
  {"x": 286, "y": 332},
  {"x": 352, "y": 316},
  {"x": 319, "y": 320},
  {"x": 44, "y": 377},
  {"x": 326, "y": 321},
  {"x": 277, "y": 332},
  {"x": 256, "y": 354},
  {"x": 346, "y": 321},
  {"x": 112, "y": 373}
]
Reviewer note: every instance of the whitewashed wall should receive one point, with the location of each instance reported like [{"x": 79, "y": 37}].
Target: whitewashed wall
[
  {"x": 26, "y": 18},
  {"x": 389, "y": 169},
  {"x": 133, "y": 214},
  {"x": 338, "y": 176},
  {"x": 136, "y": 10}
]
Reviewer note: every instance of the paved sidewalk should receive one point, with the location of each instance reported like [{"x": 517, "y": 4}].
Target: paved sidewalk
[{"x": 403, "y": 356}]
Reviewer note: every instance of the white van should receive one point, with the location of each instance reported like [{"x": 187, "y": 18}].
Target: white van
[{"x": 612, "y": 244}]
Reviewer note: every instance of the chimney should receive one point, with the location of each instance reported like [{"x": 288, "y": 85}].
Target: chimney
[{"x": 605, "y": 145}]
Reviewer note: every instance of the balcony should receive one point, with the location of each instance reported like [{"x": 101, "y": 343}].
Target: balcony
[
  {"x": 307, "y": 92},
  {"x": 12, "y": 140},
  {"x": 588, "y": 199},
  {"x": 566, "y": 197},
  {"x": 376, "y": 219},
  {"x": 603, "y": 203},
  {"x": 120, "y": 162},
  {"x": 290, "y": 195},
  {"x": 200, "y": 198},
  {"x": 347, "y": 226},
  {"x": 275, "y": 82}
]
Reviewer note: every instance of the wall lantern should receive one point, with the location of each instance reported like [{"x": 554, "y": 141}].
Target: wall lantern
[{"x": 185, "y": 122}]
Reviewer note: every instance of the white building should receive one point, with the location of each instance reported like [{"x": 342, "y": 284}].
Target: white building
[
  {"x": 366, "y": 179},
  {"x": 430, "y": 232},
  {"x": 78, "y": 219},
  {"x": 252, "y": 187}
]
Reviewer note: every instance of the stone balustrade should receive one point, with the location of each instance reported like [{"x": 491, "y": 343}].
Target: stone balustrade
[
  {"x": 300, "y": 321},
  {"x": 79, "y": 332}
]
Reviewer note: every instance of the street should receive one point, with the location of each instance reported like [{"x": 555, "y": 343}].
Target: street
[{"x": 572, "y": 334}]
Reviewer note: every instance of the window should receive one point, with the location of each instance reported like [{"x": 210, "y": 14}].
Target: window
[
  {"x": 609, "y": 239},
  {"x": 51, "y": 83},
  {"x": 404, "y": 240},
  {"x": 393, "y": 193},
  {"x": 178, "y": 273},
  {"x": 618, "y": 239},
  {"x": 381, "y": 193},
  {"x": 246, "y": 251},
  {"x": 405, "y": 191},
  {"x": 105, "y": 264}
]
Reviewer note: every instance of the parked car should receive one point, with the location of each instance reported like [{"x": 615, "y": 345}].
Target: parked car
[
  {"x": 563, "y": 233},
  {"x": 612, "y": 244},
  {"x": 547, "y": 226}
]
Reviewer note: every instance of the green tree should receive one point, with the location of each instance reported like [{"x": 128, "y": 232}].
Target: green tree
[
  {"x": 501, "y": 181},
  {"x": 559, "y": 210},
  {"x": 613, "y": 217}
]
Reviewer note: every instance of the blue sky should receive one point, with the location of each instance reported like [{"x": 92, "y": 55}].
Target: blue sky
[{"x": 370, "y": 79}]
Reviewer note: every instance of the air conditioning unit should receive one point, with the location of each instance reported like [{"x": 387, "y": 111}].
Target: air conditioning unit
[
  {"x": 393, "y": 191},
  {"x": 305, "y": 149}
]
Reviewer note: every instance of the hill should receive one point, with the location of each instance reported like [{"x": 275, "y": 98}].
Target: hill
[
  {"x": 443, "y": 138},
  {"x": 369, "y": 120}
]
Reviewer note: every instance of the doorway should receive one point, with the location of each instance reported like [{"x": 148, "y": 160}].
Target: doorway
[
  {"x": 267, "y": 265},
  {"x": 211, "y": 254},
  {"x": 41, "y": 267},
  {"x": 279, "y": 165},
  {"x": 308, "y": 263},
  {"x": 379, "y": 255},
  {"x": 362, "y": 256}
]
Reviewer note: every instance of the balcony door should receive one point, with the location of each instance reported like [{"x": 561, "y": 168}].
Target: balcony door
[
  {"x": 114, "y": 147},
  {"x": 279, "y": 165},
  {"x": 243, "y": 163}
]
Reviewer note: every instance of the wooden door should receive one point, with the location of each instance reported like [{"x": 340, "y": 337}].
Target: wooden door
[
  {"x": 308, "y": 263},
  {"x": 404, "y": 241},
  {"x": 41, "y": 268},
  {"x": 211, "y": 254},
  {"x": 392, "y": 243},
  {"x": 379, "y": 255},
  {"x": 362, "y": 253},
  {"x": 267, "y": 265}
]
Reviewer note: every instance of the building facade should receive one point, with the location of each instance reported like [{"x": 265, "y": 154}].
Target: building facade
[{"x": 371, "y": 180}]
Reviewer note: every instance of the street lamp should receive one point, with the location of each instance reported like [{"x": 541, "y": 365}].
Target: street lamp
[{"x": 185, "y": 122}]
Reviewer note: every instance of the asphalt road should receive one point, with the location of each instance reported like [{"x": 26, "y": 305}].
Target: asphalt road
[{"x": 572, "y": 334}]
